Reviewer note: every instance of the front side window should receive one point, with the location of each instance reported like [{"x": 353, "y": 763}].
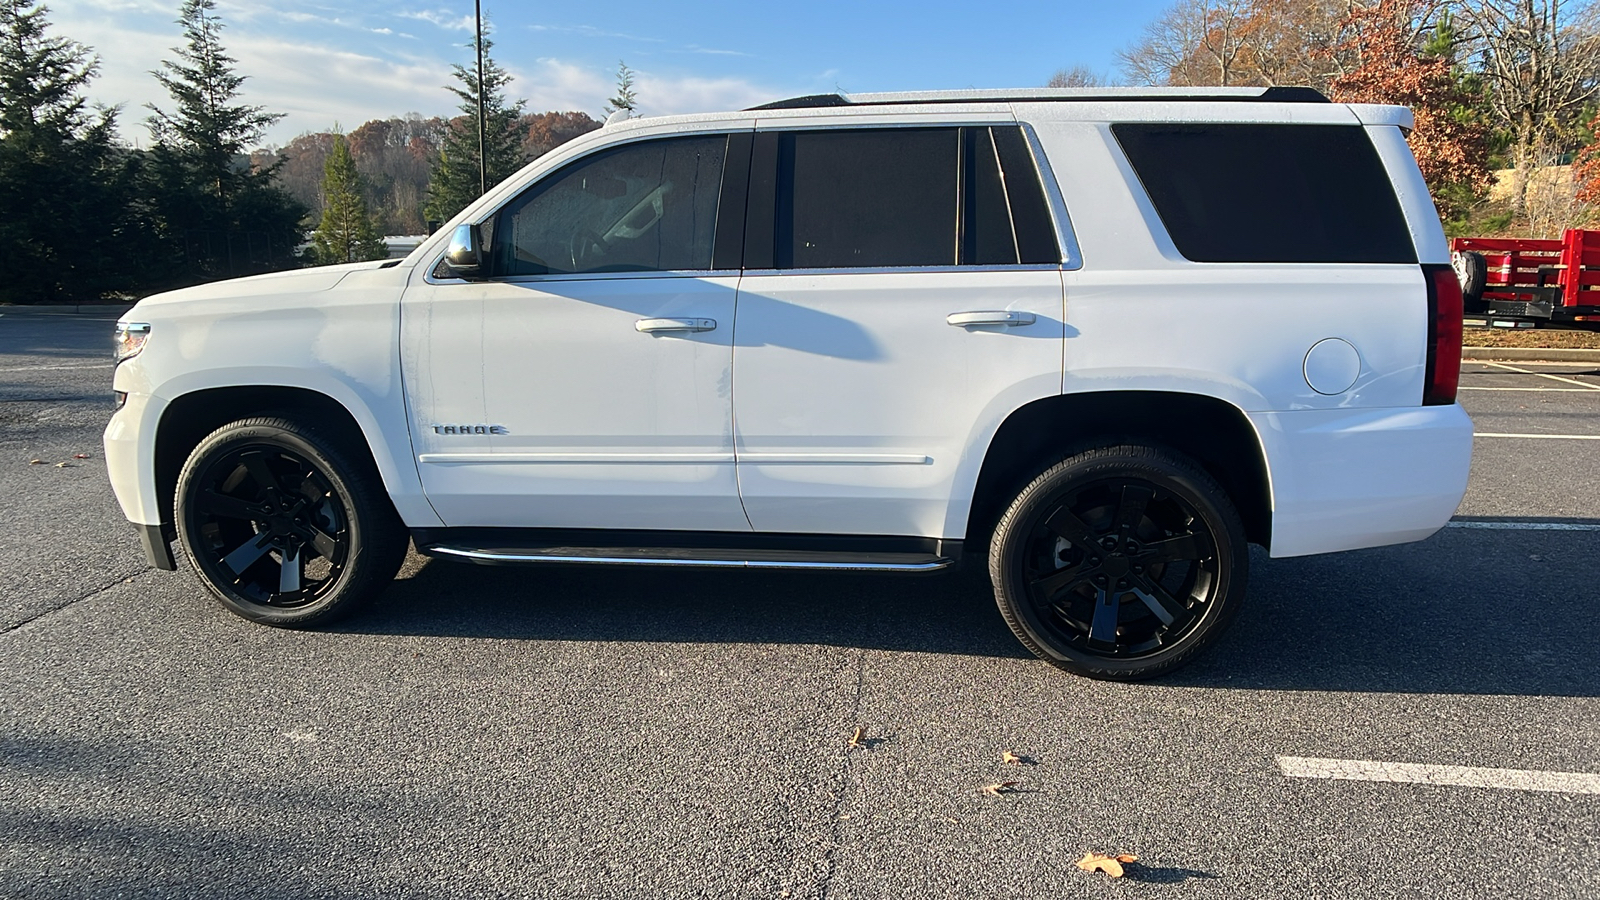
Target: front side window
[{"x": 645, "y": 207}]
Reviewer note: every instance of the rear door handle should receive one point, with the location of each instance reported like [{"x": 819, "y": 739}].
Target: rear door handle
[
  {"x": 991, "y": 317},
  {"x": 671, "y": 326}
]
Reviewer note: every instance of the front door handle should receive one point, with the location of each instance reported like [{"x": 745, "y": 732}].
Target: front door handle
[
  {"x": 671, "y": 326},
  {"x": 990, "y": 317}
]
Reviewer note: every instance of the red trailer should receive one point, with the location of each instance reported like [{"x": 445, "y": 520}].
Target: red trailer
[{"x": 1531, "y": 281}]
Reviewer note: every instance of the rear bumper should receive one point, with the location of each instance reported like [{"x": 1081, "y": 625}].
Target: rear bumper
[{"x": 1347, "y": 479}]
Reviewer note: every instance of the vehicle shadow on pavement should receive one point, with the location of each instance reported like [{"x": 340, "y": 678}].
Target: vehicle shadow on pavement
[
  {"x": 1465, "y": 612},
  {"x": 950, "y": 612}
]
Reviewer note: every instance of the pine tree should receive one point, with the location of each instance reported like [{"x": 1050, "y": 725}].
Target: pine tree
[
  {"x": 347, "y": 232},
  {"x": 61, "y": 175},
  {"x": 625, "y": 98},
  {"x": 220, "y": 214},
  {"x": 454, "y": 182}
]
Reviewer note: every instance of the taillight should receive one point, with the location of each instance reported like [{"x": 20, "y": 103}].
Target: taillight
[{"x": 1443, "y": 374}]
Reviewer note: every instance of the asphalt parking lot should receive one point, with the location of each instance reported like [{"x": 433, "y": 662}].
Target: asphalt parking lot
[{"x": 603, "y": 733}]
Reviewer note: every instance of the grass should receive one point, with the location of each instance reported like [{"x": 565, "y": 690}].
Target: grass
[{"x": 1542, "y": 338}]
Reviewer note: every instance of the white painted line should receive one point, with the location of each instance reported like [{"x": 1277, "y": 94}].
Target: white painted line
[
  {"x": 1526, "y": 526},
  {"x": 1546, "y": 437},
  {"x": 1582, "y": 384},
  {"x": 1532, "y": 390},
  {"x": 1456, "y": 776},
  {"x": 104, "y": 365}
]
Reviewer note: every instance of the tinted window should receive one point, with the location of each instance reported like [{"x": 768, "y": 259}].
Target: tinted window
[
  {"x": 650, "y": 206},
  {"x": 1269, "y": 193},
  {"x": 1006, "y": 219},
  {"x": 988, "y": 237},
  {"x": 867, "y": 198}
]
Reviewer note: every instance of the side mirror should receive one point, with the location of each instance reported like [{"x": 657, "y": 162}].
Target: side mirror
[{"x": 465, "y": 259}]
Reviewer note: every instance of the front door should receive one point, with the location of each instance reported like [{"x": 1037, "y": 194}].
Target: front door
[{"x": 586, "y": 383}]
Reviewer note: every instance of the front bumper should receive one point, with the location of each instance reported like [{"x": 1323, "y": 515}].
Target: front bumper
[{"x": 1346, "y": 479}]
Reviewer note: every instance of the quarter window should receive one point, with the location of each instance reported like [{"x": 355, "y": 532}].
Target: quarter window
[
  {"x": 1269, "y": 193},
  {"x": 643, "y": 207}
]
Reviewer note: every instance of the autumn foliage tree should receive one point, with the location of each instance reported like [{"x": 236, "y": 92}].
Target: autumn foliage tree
[{"x": 1395, "y": 63}]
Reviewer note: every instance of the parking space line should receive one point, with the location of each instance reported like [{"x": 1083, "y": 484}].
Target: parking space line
[
  {"x": 1547, "y": 437},
  {"x": 1582, "y": 384},
  {"x": 1454, "y": 776},
  {"x": 1526, "y": 526},
  {"x": 1532, "y": 390}
]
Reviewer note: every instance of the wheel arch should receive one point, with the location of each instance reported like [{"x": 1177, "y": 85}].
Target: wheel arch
[
  {"x": 1215, "y": 433},
  {"x": 189, "y": 417}
]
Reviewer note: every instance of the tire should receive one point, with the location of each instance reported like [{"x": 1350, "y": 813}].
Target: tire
[
  {"x": 1472, "y": 270},
  {"x": 1120, "y": 563},
  {"x": 285, "y": 526}
]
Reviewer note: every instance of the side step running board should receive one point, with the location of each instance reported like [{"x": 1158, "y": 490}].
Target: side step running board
[{"x": 695, "y": 556}]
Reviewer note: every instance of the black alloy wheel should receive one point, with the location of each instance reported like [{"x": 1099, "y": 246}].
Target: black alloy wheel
[
  {"x": 282, "y": 527},
  {"x": 1119, "y": 563}
]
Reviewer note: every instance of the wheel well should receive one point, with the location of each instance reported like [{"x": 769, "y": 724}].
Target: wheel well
[
  {"x": 188, "y": 419},
  {"x": 1212, "y": 432}
]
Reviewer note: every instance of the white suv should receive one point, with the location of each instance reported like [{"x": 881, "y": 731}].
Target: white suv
[{"x": 1106, "y": 338}]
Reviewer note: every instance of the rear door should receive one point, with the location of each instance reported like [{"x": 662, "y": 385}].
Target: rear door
[{"x": 902, "y": 294}]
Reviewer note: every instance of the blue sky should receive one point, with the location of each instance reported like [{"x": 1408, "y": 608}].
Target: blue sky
[{"x": 324, "y": 63}]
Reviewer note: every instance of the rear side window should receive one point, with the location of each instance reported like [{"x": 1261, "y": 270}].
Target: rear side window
[
  {"x": 867, "y": 198},
  {"x": 1269, "y": 193},
  {"x": 897, "y": 197}
]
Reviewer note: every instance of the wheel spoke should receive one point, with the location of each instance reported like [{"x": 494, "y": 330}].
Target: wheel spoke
[
  {"x": 289, "y": 574},
  {"x": 1174, "y": 549},
  {"x": 1061, "y": 579},
  {"x": 244, "y": 555},
  {"x": 217, "y": 504},
  {"x": 1135, "y": 497},
  {"x": 256, "y": 464},
  {"x": 1168, "y": 610},
  {"x": 1103, "y": 628},
  {"x": 1069, "y": 526}
]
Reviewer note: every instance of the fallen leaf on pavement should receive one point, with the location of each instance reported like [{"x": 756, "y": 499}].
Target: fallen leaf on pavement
[
  {"x": 80, "y": 456},
  {"x": 998, "y": 788},
  {"x": 1017, "y": 758},
  {"x": 1099, "y": 862},
  {"x": 65, "y": 465},
  {"x": 859, "y": 739},
  {"x": 35, "y": 462}
]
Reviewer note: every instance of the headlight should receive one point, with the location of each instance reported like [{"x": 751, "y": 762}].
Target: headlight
[{"x": 130, "y": 339}]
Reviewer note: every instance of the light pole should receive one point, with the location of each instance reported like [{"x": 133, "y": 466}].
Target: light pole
[{"x": 483, "y": 161}]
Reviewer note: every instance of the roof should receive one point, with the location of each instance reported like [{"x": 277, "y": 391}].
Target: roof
[{"x": 1055, "y": 95}]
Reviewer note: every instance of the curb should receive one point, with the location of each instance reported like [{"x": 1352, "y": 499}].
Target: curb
[
  {"x": 1529, "y": 354},
  {"x": 68, "y": 309}
]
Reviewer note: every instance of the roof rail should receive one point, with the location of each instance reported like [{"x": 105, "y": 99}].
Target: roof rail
[{"x": 1056, "y": 95}]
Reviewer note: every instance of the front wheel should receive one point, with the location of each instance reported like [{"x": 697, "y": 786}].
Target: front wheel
[
  {"x": 1119, "y": 563},
  {"x": 285, "y": 525}
]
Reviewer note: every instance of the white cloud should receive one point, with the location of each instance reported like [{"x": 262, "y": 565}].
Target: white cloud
[{"x": 442, "y": 18}]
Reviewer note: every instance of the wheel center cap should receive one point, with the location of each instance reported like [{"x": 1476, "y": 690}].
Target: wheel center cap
[{"x": 1115, "y": 566}]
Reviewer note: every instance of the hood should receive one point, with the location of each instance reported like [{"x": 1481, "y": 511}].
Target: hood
[{"x": 293, "y": 281}]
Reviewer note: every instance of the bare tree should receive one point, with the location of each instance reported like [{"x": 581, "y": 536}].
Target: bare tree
[
  {"x": 1541, "y": 64},
  {"x": 1195, "y": 42},
  {"x": 1079, "y": 76}
]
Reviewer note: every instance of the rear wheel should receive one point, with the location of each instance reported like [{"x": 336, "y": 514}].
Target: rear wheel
[
  {"x": 284, "y": 525},
  {"x": 1119, "y": 563}
]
